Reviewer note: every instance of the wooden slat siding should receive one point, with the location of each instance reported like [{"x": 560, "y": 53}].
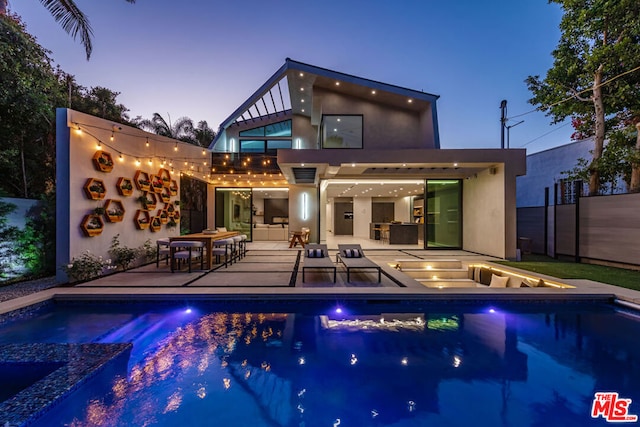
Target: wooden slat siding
[
  {"x": 610, "y": 228},
  {"x": 565, "y": 229},
  {"x": 531, "y": 224}
]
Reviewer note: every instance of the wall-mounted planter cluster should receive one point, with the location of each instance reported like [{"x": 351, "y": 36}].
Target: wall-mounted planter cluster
[
  {"x": 155, "y": 188},
  {"x": 103, "y": 161}
]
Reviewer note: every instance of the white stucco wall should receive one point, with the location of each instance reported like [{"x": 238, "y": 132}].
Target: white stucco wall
[
  {"x": 296, "y": 204},
  {"x": 75, "y": 151},
  {"x": 483, "y": 213},
  {"x": 361, "y": 216}
]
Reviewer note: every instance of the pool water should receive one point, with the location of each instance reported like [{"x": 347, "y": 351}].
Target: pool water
[{"x": 410, "y": 365}]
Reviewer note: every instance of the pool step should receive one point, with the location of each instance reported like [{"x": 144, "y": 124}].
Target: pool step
[
  {"x": 448, "y": 283},
  {"x": 437, "y": 273},
  {"x": 424, "y": 264}
]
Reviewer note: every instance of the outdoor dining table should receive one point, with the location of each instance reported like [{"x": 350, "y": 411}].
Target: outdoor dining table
[{"x": 208, "y": 240}]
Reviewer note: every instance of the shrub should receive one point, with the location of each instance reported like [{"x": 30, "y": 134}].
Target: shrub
[
  {"x": 123, "y": 256},
  {"x": 86, "y": 267}
]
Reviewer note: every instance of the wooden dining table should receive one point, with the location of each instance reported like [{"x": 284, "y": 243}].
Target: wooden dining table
[{"x": 208, "y": 240}]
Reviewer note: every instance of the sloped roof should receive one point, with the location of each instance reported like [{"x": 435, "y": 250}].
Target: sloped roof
[{"x": 290, "y": 89}]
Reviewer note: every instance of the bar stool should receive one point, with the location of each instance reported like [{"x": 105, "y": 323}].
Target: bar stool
[
  {"x": 162, "y": 248},
  {"x": 186, "y": 250}
]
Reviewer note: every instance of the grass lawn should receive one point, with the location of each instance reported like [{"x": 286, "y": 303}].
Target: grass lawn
[{"x": 570, "y": 270}]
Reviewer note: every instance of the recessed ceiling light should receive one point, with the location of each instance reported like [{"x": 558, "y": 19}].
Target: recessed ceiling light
[
  {"x": 301, "y": 74},
  {"x": 404, "y": 164},
  {"x": 339, "y": 119},
  {"x": 335, "y": 130},
  {"x": 337, "y": 83},
  {"x": 303, "y": 110},
  {"x": 455, "y": 165},
  {"x": 302, "y": 164},
  {"x": 302, "y": 89},
  {"x": 410, "y": 100},
  {"x": 353, "y": 165},
  {"x": 373, "y": 92},
  {"x": 302, "y": 100}
]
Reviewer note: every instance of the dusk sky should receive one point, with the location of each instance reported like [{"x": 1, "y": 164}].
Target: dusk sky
[{"x": 202, "y": 59}]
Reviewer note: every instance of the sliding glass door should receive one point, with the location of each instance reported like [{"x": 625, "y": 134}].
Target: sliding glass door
[{"x": 443, "y": 214}]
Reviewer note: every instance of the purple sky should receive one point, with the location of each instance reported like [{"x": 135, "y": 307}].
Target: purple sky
[{"x": 202, "y": 59}]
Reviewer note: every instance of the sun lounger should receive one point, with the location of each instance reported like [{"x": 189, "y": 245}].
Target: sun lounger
[
  {"x": 353, "y": 257},
  {"x": 316, "y": 257}
]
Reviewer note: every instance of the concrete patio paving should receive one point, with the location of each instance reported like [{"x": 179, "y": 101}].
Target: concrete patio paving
[{"x": 275, "y": 273}]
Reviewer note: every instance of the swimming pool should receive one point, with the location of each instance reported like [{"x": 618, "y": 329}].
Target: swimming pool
[{"x": 418, "y": 364}]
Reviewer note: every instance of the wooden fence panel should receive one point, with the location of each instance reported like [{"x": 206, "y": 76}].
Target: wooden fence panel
[
  {"x": 566, "y": 230},
  {"x": 531, "y": 226},
  {"x": 610, "y": 228}
]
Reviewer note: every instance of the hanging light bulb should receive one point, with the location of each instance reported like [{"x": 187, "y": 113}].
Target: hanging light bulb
[
  {"x": 175, "y": 147},
  {"x": 111, "y": 139},
  {"x": 204, "y": 152},
  {"x": 147, "y": 144},
  {"x": 150, "y": 161},
  {"x": 99, "y": 145},
  {"x": 121, "y": 158},
  {"x": 138, "y": 162}
]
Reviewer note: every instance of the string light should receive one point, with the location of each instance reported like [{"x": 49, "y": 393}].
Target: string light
[
  {"x": 204, "y": 152},
  {"x": 175, "y": 147},
  {"x": 137, "y": 162},
  {"x": 99, "y": 145},
  {"x": 121, "y": 158},
  {"x": 147, "y": 143},
  {"x": 111, "y": 139}
]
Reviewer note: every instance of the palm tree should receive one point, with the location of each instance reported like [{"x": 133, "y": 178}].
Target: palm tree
[
  {"x": 203, "y": 133},
  {"x": 181, "y": 129},
  {"x": 71, "y": 18}
]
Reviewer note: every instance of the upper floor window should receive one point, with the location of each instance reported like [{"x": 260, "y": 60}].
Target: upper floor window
[
  {"x": 341, "y": 131},
  {"x": 274, "y": 130}
]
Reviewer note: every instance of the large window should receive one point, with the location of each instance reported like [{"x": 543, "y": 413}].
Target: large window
[
  {"x": 341, "y": 131},
  {"x": 262, "y": 146},
  {"x": 274, "y": 130}
]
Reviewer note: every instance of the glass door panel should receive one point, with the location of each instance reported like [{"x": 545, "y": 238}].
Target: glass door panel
[{"x": 443, "y": 214}]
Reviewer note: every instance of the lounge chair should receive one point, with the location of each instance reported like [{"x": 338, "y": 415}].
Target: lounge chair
[
  {"x": 316, "y": 257},
  {"x": 353, "y": 257}
]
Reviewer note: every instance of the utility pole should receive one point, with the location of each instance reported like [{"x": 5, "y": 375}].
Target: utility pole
[{"x": 503, "y": 120}]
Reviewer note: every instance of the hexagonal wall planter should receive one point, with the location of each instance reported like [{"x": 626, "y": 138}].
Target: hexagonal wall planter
[
  {"x": 149, "y": 200},
  {"x": 114, "y": 210},
  {"x": 92, "y": 225},
  {"x": 173, "y": 188},
  {"x": 156, "y": 184},
  {"x": 124, "y": 186},
  {"x": 163, "y": 215},
  {"x": 142, "y": 219},
  {"x": 95, "y": 189},
  {"x": 156, "y": 224},
  {"x": 142, "y": 181},
  {"x": 165, "y": 177},
  {"x": 103, "y": 161},
  {"x": 165, "y": 196}
]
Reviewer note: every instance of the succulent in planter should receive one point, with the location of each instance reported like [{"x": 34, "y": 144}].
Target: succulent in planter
[
  {"x": 171, "y": 223},
  {"x": 127, "y": 186},
  {"x": 96, "y": 188},
  {"x": 115, "y": 212},
  {"x": 144, "y": 182},
  {"x": 104, "y": 160},
  {"x": 94, "y": 224}
]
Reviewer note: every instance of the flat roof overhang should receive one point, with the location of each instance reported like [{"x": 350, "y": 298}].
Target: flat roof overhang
[{"x": 389, "y": 164}]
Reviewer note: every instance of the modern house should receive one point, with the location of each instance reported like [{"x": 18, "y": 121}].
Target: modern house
[{"x": 344, "y": 155}]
